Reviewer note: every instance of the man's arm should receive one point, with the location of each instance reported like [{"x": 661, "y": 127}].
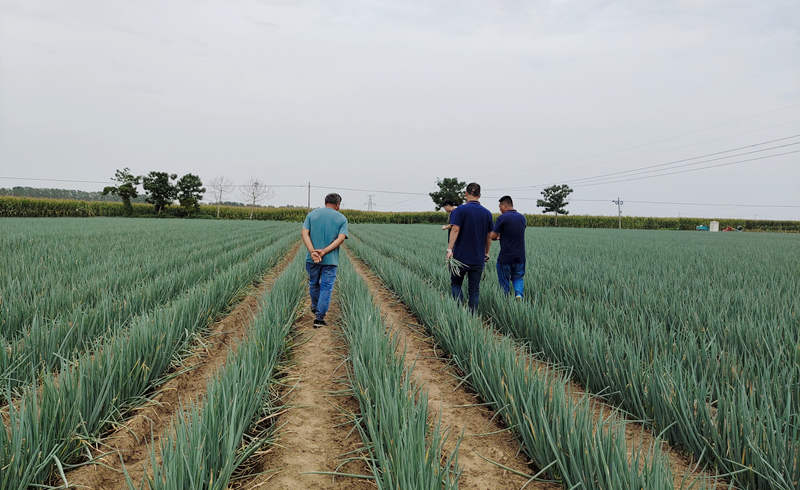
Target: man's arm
[
  {"x": 306, "y": 234},
  {"x": 452, "y": 242},
  {"x": 491, "y": 234},
  {"x": 332, "y": 246},
  {"x": 494, "y": 234}
]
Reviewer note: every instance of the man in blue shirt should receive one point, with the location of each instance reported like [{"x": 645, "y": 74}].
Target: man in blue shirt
[
  {"x": 469, "y": 244},
  {"x": 510, "y": 229},
  {"x": 323, "y": 231}
]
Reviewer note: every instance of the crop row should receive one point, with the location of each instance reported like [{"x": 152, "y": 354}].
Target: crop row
[
  {"x": 560, "y": 435},
  {"x": 208, "y": 442},
  {"x": 404, "y": 452},
  {"x": 696, "y": 381},
  {"x": 47, "y": 425},
  {"x": 44, "y": 344},
  {"x": 47, "y": 274}
]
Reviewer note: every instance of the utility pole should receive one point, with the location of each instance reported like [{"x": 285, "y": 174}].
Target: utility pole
[
  {"x": 619, "y": 202},
  {"x": 309, "y": 194},
  {"x": 370, "y": 202}
]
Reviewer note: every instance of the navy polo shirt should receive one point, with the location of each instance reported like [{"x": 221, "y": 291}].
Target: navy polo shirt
[
  {"x": 475, "y": 223},
  {"x": 511, "y": 228}
]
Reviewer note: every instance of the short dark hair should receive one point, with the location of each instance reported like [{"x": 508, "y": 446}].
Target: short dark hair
[
  {"x": 474, "y": 189},
  {"x": 448, "y": 203},
  {"x": 333, "y": 198},
  {"x": 506, "y": 200}
]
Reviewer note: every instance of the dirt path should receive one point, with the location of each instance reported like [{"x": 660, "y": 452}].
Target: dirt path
[
  {"x": 482, "y": 436},
  {"x": 314, "y": 433},
  {"x": 130, "y": 443}
]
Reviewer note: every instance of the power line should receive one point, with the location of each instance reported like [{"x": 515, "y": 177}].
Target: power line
[
  {"x": 76, "y": 181},
  {"x": 678, "y": 136},
  {"x": 672, "y": 163},
  {"x": 633, "y": 201},
  {"x": 58, "y": 180},
  {"x": 717, "y": 204},
  {"x": 594, "y": 180},
  {"x": 370, "y": 190},
  {"x": 687, "y": 170},
  {"x": 686, "y": 133},
  {"x": 268, "y": 185},
  {"x": 416, "y": 194},
  {"x": 630, "y": 178}
]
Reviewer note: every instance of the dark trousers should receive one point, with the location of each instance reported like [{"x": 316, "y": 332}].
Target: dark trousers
[{"x": 473, "y": 274}]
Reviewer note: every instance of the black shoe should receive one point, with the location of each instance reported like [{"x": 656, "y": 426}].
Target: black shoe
[{"x": 319, "y": 323}]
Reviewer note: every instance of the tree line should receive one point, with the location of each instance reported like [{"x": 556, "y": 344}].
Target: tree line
[
  {"x": 160, "y": 189},
  {"x": 451, "y": 190}
]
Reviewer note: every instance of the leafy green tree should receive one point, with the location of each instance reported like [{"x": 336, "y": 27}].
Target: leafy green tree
[
  {"x": 555, "y": 200},
  {"x": 125, "y": 188},
  {"x": 450, "y": 190},
  {"x": 161, "y": 192},
  {"x": 190, "y": 191}
]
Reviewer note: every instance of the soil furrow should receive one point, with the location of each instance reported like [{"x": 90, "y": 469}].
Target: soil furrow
[
  {"x": 315, "y": 430},
  {"x": 484, "y": 437},
  {"x": 129, "y": 443},
  {"x": 683, "y": 468}
]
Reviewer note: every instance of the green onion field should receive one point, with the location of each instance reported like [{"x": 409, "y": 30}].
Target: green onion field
[{"x": 177, "y": 354}]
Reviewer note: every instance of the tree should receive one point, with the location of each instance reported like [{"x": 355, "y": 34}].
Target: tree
[
  {"x": 160, "y": 191},
  {"x": 555, "y": 200},
  {"x": 190, "y": 191},
  {"x": 219, "y": 185},
  {"x": 125, "y": 188},
  {"x": 450, "y": 190},
  {"x": 255, "y": 192}
]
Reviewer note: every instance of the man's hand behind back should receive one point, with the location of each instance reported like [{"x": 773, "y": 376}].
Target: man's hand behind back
[{"x": 316, "y": 256}]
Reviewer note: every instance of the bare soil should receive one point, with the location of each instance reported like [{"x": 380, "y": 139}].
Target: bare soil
[
  {"x": 482, "y": 434},
  {"x": 129, "y": 443},
  {"x": 315, "y": 431}
]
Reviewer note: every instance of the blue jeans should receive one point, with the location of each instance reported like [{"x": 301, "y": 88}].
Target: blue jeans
[
  {"x": 514, "y": 272},
  {"x": 320, "y": 286},
  {"x": 473, "y": 274}
]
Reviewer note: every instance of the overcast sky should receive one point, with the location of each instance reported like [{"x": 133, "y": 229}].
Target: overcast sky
[{"x": 390, "y": 95}]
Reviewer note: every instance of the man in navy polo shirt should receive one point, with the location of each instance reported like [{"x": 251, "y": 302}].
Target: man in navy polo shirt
[
  {"x": 469, "y": 244},
  {"x": 510, "y": 229}
]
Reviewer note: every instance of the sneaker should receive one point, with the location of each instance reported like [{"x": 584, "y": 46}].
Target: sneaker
[
  {"x": 319, "y": 323},
  {"x": 518, "y": 297}
]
